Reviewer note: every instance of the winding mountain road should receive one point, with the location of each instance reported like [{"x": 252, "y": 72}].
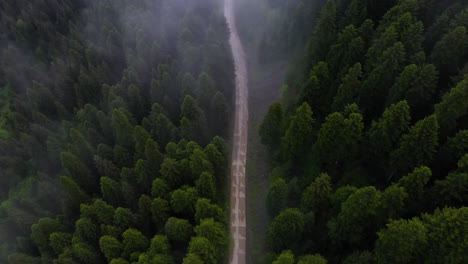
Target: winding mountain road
[{"x": 239, "y": 151}]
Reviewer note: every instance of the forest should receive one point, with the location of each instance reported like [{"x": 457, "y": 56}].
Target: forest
[
  {"x": 369, "y": 142},
  {"x": 112, "y": 121},
  {"x": 117, "y": 120}
]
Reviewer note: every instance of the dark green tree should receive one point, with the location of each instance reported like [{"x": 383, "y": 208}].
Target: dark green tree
[
  {"x": 178, "y": 231},
  {"x": 352, "y": 223},
  {"x": 183, "y": 201},
  {"x": 403, "y": 241},
  {"x": 203, "y": 249},
  {"x": 315, "y": 197},
  {"x": 215, "y": 233},
  {"x": 299, "y": 135},
  {"x": 277, "y": 197},
  {"x": 348, "y": 91},
  {"x": 160, "y": 212},
  {"x": 339, "y": 137},
  {"x": 324, "y": 33},
  {"x": 418, "y": 146},
  {"x": 110, "y": 247},
  {"x": 206, "y": 186},
  {"x": 271, "y": 128},
  {"x": 286, "y": 257},
  {"x": 452, "y": 108},
  {"x": 205, "y": 209},
  {"x": 123, "y": 129},
  {"x": 133, "y": 241},
  {"x": 286, "y": 229}
]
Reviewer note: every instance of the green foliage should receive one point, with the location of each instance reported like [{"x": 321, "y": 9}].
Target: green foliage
[
  {"x": 78, "y": 171},
  {"x": 202, "y": 248},
  {"x": 385, "y": 133},
  {"x": 453, "y": 189},
  {"x": 402, "y": 242},
  {"x": 415, "y": 182},
  {"x": 277, "y": 196},
  {"x": 123, "y": 129},
  {"x": 287, "y": 257},
  {"x": 60, "y": 241},
  {"x": 299, "y": 134},
  {"x": 110, "y": 247},
  {"x": 216, "y": 235},
  {"x": 40, "y": 233},
  {"x": 286, "y": 229},
  {"x": 178, "y": 231},
  {"x": 418, "y": 146},
  {"x": 170, "y": 172},
  {"x": 417, "y": 85},
  {"x": 316, "y": 195},
  {"x": 446, "y": 235},
  {"x": 358, "y": 257},
  {"x": 360, "y": 208},
  {"x": 348, "y": 91},
  {"x": 160, "y": 245},
  {"x": 85, "y": 253},
  {"x": 160, "y": 212},
  {"x": 312, "y": 259},
  {"x": 339, "y": 137},
  {"x": 192, "y": 259},
  {"x": 86, "y": 230},
  {"x": 133, "y": 241},
  {"x": 183, "y": 200},
  {"x": 325, "y": 31},
  {"x": 205, "y": 209},
  {"x": 450, "y": 50},
  {"x": 123, "y": 218},
  {"x": 452, "y": 107},
  {"x": 217, "y": 158},
  {"x": 78, "y": 106},
  {"x": 271, "y": 128},
  {"x": 393, "y": 201},
  {"x": 110, "y": 190},
  {"x": 199, "y": 163},
  {"x": 159, "y": 188}
]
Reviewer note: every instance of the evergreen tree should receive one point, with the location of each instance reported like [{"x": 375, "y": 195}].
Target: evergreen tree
[
  {"x": 402, "y": 242},
  {"x": 418, "y": 146},
  {"x": 286, "y": 229},
  {"x": 348, "y": 91},
  {"x": 277, "y": 196},
  {"x": 271, "y": 127},
  {"x": 299, "y": 135},
  {"x": 324, "y": 33},
  {"x": 452, "y": 108}
]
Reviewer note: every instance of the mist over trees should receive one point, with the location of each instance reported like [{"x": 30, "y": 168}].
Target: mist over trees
[
  {"x": 114, "y": 122},
  {"x": 111, "y": 119},
  {"x": 368, "y": 143}
]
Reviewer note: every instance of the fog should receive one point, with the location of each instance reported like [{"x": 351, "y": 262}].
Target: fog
[
  {"x": 69, "y": 64},
  {"x": 41, "y": 47}
]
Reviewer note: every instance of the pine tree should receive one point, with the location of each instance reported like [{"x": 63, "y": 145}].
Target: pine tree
[
  {"x": 299, "y": 135},
  {"x": 271, "y": 127},
  {"x": 418, "y": 147}
]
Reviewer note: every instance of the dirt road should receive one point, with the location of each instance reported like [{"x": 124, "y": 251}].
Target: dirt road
[{"x": 238, "y": 222}]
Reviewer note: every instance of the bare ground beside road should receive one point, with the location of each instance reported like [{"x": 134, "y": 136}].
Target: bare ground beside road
[{"x": 264, "y": 88}]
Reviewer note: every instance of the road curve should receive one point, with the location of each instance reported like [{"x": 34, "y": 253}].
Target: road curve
[{"x": 239, "y": 150}]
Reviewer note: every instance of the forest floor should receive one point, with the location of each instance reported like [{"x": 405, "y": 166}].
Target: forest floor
[{"x": 265, "y": 83}]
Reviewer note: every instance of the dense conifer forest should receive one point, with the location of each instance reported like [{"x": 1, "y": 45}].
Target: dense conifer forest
[
  {"x": 116, "y": 122},
  {"x": 369, "y": 141},
  {"x": 111, "y": 123}
]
